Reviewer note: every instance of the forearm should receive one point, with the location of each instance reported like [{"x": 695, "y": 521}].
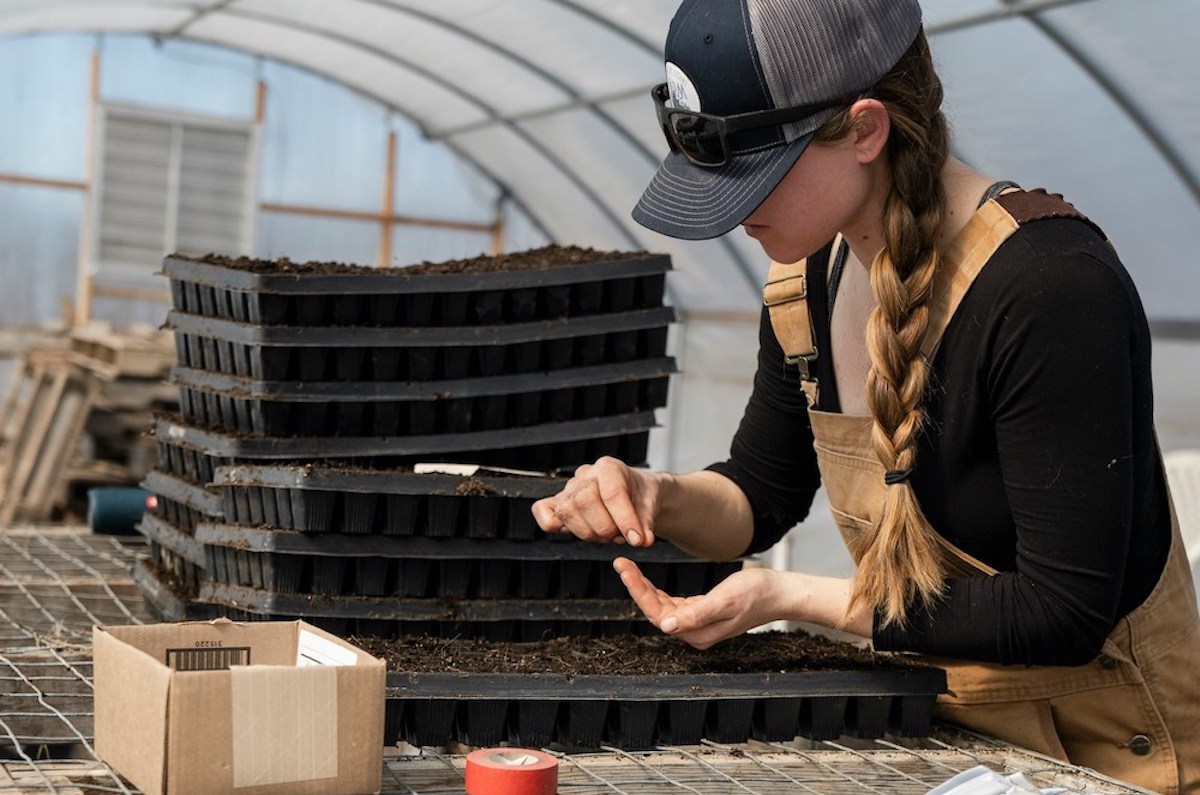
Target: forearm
[
  {"x": 704, "y": 514},
  {"x": 819, "y": 600}
]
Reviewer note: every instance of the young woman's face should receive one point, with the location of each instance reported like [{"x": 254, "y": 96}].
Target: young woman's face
[{"x": 830, "y": 189}]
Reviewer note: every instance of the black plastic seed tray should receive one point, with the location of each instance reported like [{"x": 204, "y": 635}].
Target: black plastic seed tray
[
  {"x": 543, "y": 447},
  {"x": 174, "y": 551},
  {"x": 186, "y": 462},
  {"x": 168, "y": 597},
  {"x": 586, "y": 712},
  {"x": 181, "y": 502},
  {"x": 272, "y": 603},
  {"x": 289, "y": 408},
  {"x": 171, "y": 601},
  {"x": 288, "y": 562},
  {"x": 415, "y": 296},
  {"x": 184, "y": 491},
  {"x": 354, "y": 353},
  {"x": 393, "y": 502}
]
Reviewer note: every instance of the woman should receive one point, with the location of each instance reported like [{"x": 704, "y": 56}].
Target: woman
[{"x": 967, "y": 373}]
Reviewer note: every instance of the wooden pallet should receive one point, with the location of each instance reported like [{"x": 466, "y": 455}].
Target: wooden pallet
[
  {"x": 42, "y": 416},
  {"x": 66, "y": 777},
  {"x": 103, "y": 385},
  {"x": 137, "y": 352}
]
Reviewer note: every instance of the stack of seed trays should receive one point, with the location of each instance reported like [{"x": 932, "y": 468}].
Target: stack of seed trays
[
  {"x": 183, "y": 498},
  {"x": 400, "y": 553},
  {"x": 544, "y": 359},
  {"x": 307, "y": 391}
]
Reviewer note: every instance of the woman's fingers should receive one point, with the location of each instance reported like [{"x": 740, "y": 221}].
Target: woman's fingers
[
  {"x": 598, "y": 504},
  {"x": 624, "y": 517},
  {"x": 654, "y": 602},
  {"x": 546, "y": 516},
  {"x": 701, "y": 621}
]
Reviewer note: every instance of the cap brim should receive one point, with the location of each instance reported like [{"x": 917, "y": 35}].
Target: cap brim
[{"x": 695, "y": 203}]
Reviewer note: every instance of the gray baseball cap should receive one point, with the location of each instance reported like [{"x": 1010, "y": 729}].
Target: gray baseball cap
[{"x": 727, "y": 57}]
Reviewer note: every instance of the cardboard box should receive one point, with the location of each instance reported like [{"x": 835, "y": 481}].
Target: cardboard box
[{"x": 261, "y": 708}]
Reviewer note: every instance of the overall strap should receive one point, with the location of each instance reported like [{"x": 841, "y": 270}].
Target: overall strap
[
  {"x": 1000, "y": 215},
  {"x": 992, "y": 224},
  {"x": 785, "y": 295}
]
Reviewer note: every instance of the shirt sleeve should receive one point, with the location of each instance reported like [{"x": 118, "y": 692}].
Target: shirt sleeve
[
  {"x": 1059, "y": 373},
  {"x": 771, "y": 457}
]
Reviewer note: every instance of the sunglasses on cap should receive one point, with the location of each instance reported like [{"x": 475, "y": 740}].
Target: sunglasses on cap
[{"x": 703, "y": 138}]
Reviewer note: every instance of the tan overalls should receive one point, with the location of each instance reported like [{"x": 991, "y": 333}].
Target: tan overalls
[{"x": 1134, "y": 712}]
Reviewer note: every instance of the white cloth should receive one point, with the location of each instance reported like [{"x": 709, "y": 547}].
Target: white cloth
[{"x": 981, "y": 780}]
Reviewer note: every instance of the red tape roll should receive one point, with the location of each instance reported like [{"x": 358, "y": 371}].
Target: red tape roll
[{"x": 511, "y": 771}]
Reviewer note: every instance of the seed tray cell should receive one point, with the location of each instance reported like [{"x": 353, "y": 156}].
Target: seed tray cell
[
  {"x": 543, "y": 447},
  {"x": 413, "y": 297},
  {"x": 633, "y": 712},
  {"x": 303, "y": 353},
  {"x": 393, "y": 502},
  {"x": 233, "y": 411}
]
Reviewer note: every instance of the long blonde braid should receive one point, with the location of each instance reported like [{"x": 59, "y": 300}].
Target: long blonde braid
[{"x": 899, "y": 561}]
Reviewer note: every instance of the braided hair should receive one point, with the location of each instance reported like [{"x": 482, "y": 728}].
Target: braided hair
[{"x": 899, "y": 560}]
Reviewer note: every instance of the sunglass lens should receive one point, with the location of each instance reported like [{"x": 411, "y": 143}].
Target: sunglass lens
[{"x": 698, "y": 138}]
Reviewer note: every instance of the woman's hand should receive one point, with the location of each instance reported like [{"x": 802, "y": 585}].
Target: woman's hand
[
  {"x": 605, "y": 501},
  {"x": 742, "y": 601}
]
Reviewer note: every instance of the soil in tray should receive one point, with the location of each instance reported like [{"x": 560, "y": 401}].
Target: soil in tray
[
  {"x": 545, "y": 257},
  {"x": 673, "y": 717},
  {"x": 757, "y": 652}
]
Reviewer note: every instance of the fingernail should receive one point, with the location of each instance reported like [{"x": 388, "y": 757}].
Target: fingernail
[
  {"x": 634, "y": 537},
  {"x": 670, "y": 624}
]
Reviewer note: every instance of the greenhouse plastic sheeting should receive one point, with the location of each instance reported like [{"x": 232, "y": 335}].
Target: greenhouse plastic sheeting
[{"x": 1090, "y": 98}]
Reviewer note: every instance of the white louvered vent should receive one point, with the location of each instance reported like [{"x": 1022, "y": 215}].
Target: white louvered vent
[{"x": 170, "y": 182}]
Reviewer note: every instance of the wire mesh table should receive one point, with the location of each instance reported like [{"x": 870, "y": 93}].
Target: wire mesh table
[{"x": 56, "y": 583}]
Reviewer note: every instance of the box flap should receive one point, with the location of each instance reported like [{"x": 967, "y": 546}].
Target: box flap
[
  {"x": 285, "y": 724},
  {"x": 132, "y": 693},
  {"x": 314, "y": 635},
  {"x": 206, "y": 645}
]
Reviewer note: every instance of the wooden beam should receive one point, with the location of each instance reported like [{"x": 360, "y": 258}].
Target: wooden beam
[
  {"x": 131, "y": 293},
  {"x": 83, "y": 278},
  {"x": 389, "y": 203},
  {"x": 43, "y": 182},
  {"x": 498, "y": 228},
  {"x": 260, "y": 102},
  {"x": 353, "y": 215}
]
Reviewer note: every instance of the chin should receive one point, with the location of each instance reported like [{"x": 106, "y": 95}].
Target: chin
[{"x": 781, "y": 253}]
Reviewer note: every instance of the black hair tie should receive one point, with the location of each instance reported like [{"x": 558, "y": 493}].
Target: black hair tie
[{"x": 894, "y": 476}]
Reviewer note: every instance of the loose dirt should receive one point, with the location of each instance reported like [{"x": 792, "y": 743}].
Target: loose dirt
[
  {"x": 758, "y": 652},
  {"x": 534, "y": 259}
]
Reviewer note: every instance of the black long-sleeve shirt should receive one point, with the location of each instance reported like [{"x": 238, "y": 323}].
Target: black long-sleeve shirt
[{"x": 1038, "y": 456}]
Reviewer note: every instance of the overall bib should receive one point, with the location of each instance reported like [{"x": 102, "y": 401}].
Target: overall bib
[{"x": 1133, "y": 712}]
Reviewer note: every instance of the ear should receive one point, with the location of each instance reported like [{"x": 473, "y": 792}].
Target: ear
[{"x": 870, "y": 127}]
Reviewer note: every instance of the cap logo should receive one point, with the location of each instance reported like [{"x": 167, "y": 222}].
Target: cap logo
[{"x": 683, "y": 91}]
